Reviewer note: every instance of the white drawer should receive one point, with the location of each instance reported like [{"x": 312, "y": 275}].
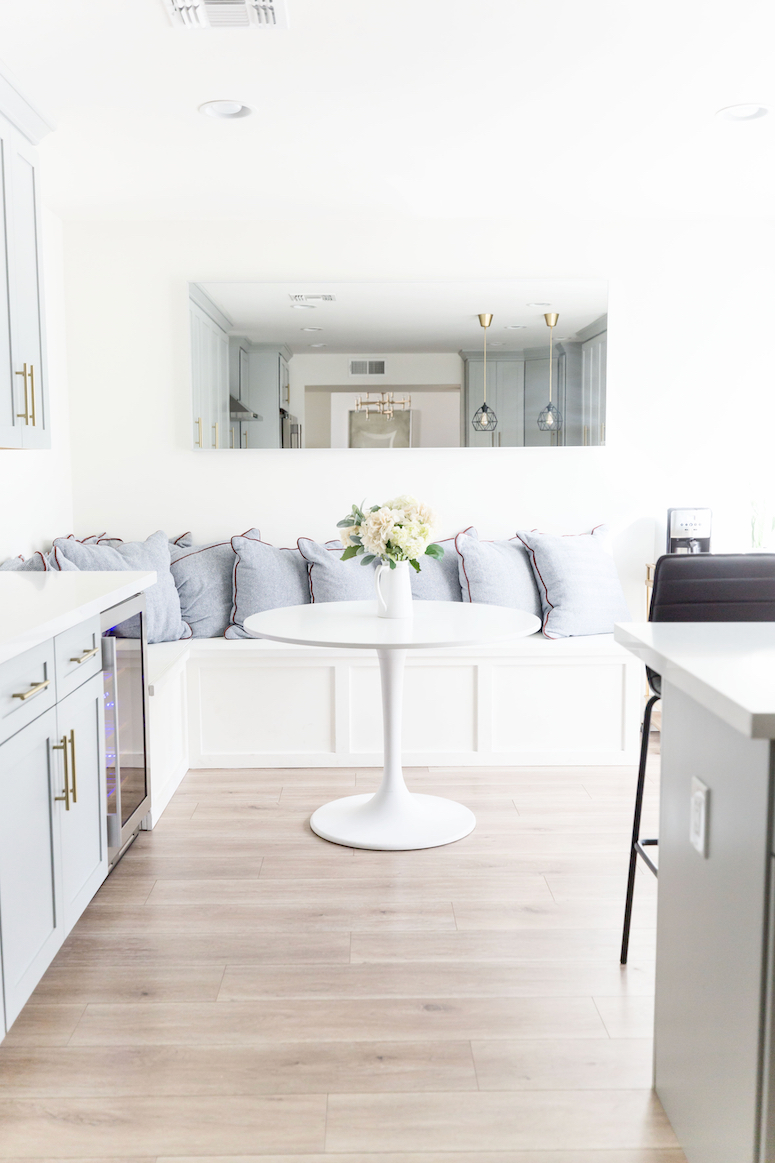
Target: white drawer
[
  {"x": 78, "y": 654},
  {"x": 26, "y": 688}
]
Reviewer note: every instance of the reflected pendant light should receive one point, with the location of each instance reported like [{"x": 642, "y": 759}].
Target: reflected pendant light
[
  {"x": 485, "y": 419},
  {"x": 550, "y": 419}
]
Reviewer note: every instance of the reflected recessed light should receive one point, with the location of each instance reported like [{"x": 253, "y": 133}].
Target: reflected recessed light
[
  {"x": 742, "y": 112},
  {"x": 225, "y": 110},
  {"x": 302, "y": 307},
  {"x": 312, "y": 328},
  {"x": 317, "y": 345},
  {"x": 515, "y": 327},
  {"x": 496, "y": 343},
  {"x": 538, "y": 304}
]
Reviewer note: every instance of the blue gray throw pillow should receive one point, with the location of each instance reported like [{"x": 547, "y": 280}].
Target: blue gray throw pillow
[
  {"x": 204, "y": 576},
  {"x": 265, "y": 578},
  {"x": 334, "y": 580},
  {"x": 497, "y": 573},
  {"x": 439, "y": 581},
  {"x": 577, "y": 581},
  {"x": 36, "y": 563},
  {"x": 163, "y": 618}
]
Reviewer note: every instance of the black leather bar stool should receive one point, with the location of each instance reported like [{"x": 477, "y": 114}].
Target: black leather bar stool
[{"x": 701, "y": 587}]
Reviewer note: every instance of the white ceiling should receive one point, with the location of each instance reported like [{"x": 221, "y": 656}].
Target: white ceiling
[
  {"x": 382, "y": 318},
  {"x": 390, "y": 108}
]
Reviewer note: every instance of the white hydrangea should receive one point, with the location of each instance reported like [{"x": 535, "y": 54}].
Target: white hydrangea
[
  {"x": 412, "y": 539},
  {"x": 376, "y": 530}
]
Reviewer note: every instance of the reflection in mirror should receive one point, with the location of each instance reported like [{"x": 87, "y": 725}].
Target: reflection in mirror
[{"x": 398, "y": 365}]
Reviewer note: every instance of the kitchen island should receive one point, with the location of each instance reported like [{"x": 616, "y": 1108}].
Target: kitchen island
[{"x": 714, "y": 1021}]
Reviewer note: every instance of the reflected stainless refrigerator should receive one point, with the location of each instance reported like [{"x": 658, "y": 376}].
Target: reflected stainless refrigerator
[{"x": 124, "y": 667}]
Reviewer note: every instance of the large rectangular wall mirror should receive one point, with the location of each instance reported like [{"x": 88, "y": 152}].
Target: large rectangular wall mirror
[{"x": 398, "y": 365}]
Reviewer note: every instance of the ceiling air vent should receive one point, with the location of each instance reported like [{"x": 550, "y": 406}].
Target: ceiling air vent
[
  {"x": 367, "y": 367},
  {"x": 313, "y": 298},
  {"x": 227, "y": 13}
]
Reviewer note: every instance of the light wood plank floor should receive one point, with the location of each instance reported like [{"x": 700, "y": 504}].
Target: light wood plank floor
[{"x": 241, "y": 988}]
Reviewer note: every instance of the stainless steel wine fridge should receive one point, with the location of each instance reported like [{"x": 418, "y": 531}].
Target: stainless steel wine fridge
[{"x": 124, "y": 667}]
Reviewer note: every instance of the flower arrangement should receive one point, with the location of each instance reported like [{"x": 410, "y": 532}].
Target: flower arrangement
[{"x": 400, "y": 530}]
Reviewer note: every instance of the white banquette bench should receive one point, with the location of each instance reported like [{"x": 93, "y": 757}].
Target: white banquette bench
[{"x": 217, "y": 703}]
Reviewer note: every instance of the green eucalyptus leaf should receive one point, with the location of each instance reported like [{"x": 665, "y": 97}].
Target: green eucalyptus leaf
[
  {"x": 434, "y": 551},
  {"x": 414, "y": 564},
  {"x": 350, "y": 551},
  {"x": 367, "y": 558},
  {"x": 346, "y": 523}
]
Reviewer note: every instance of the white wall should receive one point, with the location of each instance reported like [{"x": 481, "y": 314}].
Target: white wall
[
  {"x": 35, "y": 486},
  {"x": 682, "y": 366}
]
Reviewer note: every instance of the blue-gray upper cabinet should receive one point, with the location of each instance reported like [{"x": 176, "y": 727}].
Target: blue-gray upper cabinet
[{"x": 24, "y": 411}]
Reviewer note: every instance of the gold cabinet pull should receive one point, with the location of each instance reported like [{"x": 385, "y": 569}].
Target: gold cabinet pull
[
  {"x": 246, "y": 440},
  {"x": 199, "y": 426},
  {"x": 36, "y": 688},
  {"x": 32, "y": 395},
  {"x": 231, "y": 443},
  {"x": 62, "y": 746},
  {"x": 86, "y": 654},
  {"x": 25, "y": 415},
  {"x": 72, "y": 769},
  {"x": 215, "y": 429}
]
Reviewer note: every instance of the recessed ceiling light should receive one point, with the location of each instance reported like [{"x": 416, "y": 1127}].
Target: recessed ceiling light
[
  {"x": 302, "y": 307},
  {"x": 538, "y": 304},
  {"x": 312, "y": 328},
  {"x": 496, "y": 343},
  {"x": 742, "y": 112},
  {"x": 515, "y": 327},
  {"x": 225, "y": 110},
  {"x": 317, "y": 345}
]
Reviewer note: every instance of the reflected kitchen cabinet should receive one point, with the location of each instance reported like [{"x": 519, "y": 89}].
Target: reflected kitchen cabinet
[
  {"x": 24, "y": 412},
  {"x": 505, "y": 393},
  {"x": 209, "y": 371}
]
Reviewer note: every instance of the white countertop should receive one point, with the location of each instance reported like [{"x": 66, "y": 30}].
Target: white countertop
[
  {"x": 36, "y": 606},
  {"x": 350, "y": 625},
  {"x": 727, "y": 667}
]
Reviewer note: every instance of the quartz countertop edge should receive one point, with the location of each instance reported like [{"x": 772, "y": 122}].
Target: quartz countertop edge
[
  {"x": 726, "y": 667},
  {"x": 35, "y": 607}
]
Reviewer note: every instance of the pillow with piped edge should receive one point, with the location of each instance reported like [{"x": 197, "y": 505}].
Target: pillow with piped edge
[
  {"x": 164, "y": 622},
  {"x": 439, "y": 581},
  {"x": 497, "y": 573},
  {"x": 577, "y": 581},
  {"x": 35, "y": 564},
  {"x": 204, "y": 577},
  {"x": 334, "y": 580},
  {"x": 266, "y": 577}
]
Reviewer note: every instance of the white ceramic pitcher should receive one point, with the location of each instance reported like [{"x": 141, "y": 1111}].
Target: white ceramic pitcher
[{"x": 394, "y": 590}]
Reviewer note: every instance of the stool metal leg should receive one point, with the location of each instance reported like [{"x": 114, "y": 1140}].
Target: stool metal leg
[{"x": 635, "y": 845}]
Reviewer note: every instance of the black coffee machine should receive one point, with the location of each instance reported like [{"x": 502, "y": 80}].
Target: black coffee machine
[{"x": 688, "y": 530}]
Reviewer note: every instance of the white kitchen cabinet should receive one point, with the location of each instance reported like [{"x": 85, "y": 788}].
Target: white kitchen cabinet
[
  {"x": 24, "y": 412},
  {"x": 593, "y": 353},
  {"x": 268, "y": 380},
  {"x": 82, "y": 816},
  {"x": 53, "y": 823},
  {"x": 31, "y": 923}
]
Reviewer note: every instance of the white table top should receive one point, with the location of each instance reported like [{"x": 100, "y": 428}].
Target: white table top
[
  {"x": 727, "y": 667},
  {"x": 349, "y": 625},
  {"x": 36, "y": 606}
]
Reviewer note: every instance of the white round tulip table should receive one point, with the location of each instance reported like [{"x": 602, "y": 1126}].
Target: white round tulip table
[{"x": 392, "y": 818}]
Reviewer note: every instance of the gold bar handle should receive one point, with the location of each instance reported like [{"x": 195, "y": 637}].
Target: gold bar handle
[
  {"x": 72, "y": 770},
  {"x": 231, "y": 445},
  {"x": 37, "y": 687},
  {"x": 86, "y": 654},
  {"x": 246, "y": 440},
  {"x": 32, "y": 395},
  {"x": 215, "y": 429},
  {"x": 25, "y": 415},
  {"x": 66, "y": 794},
  {"x": 199, "y": 426},
  {"x": 586, "y": 435}
]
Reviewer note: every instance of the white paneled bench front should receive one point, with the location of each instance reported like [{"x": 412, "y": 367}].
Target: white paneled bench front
[{"x": 530, "y": 702}]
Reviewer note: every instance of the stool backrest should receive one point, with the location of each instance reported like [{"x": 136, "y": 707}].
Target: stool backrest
[{"x": 714, "y": 587}]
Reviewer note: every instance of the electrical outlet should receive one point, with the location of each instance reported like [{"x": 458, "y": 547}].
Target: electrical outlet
[{"x": 699, "y": 806}]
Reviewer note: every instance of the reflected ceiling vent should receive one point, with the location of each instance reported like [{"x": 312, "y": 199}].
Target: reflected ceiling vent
[
  {"x": 367, "y": 367},
  {"x": 313, "y": 298},
  {"x": 227, "y": 13}
]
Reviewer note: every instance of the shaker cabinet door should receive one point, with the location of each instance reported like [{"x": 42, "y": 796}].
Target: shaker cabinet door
[
  {"x": 10, "y": 424},
  {"x": 30, "y": 923},
  {"x": 26, "y": 295},
  {"x": 82, "y": 817}
]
